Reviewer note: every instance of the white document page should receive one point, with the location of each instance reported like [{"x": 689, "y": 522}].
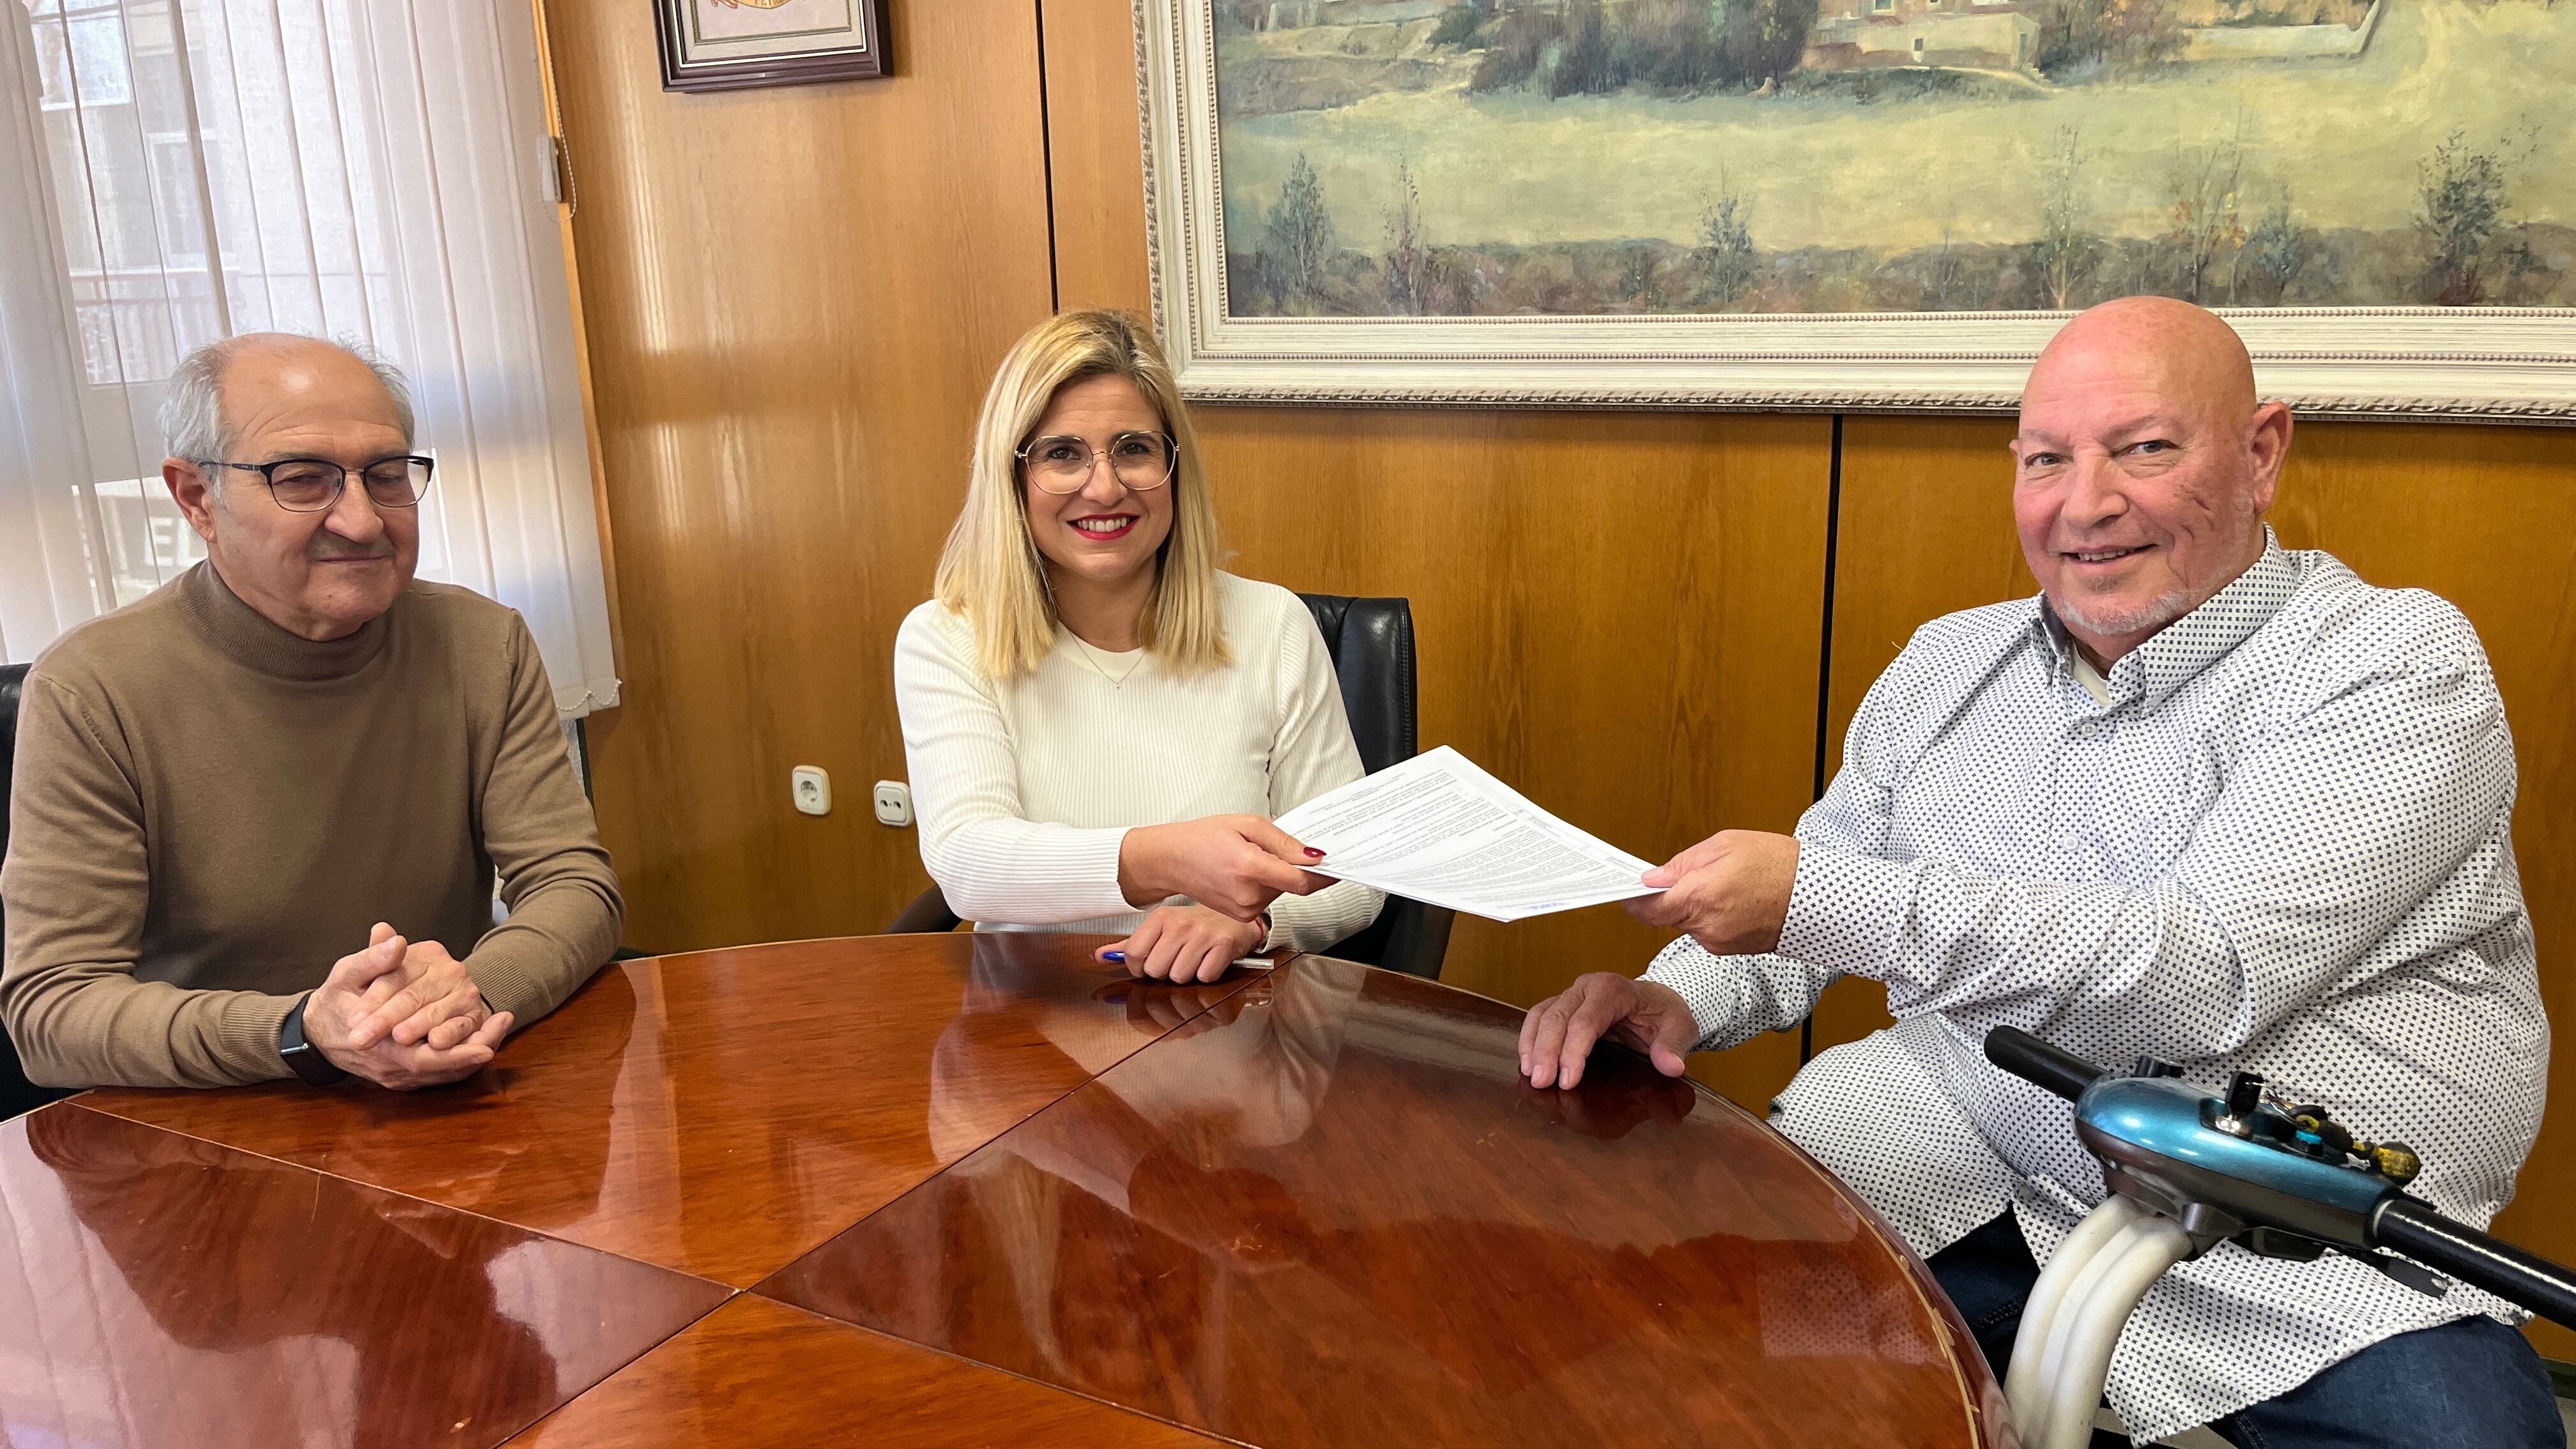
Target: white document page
[{"x": 1438, "y": 829}]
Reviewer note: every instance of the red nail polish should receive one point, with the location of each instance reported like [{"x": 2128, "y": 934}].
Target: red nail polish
[{"x": 1310, "y": 850}]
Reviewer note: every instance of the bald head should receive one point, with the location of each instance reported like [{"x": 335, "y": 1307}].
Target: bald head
[
  {"x": 199, "y": 417},
  {"x": 2144, "y": 465},
  {"x": 2182, "y": 353}
]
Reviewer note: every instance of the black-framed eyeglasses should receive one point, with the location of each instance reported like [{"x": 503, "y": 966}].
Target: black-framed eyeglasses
[
  {"x": 313, "y": 485},
  {"x": 1140, "y": 461}
]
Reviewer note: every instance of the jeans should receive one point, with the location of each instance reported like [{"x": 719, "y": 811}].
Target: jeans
[{"x": 2468, "y": 1384}]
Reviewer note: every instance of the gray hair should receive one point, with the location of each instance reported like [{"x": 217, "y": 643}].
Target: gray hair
[{"x": 192, "y": 416}]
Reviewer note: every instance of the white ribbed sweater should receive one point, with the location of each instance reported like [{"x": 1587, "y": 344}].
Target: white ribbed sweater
[{"x": 1024, "y": 789}]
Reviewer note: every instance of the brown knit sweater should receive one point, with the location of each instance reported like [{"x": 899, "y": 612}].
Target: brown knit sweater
[{"x": 208, "y": 811}]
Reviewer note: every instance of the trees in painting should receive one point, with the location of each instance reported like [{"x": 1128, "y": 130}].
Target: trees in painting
[{"x": 1569, "y": 157}]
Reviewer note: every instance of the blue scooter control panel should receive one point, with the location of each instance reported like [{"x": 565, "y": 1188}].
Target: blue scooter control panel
[{"x": 2285, "y": 1167}]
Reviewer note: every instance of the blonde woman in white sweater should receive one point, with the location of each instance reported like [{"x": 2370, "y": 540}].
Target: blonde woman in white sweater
[{"x": 1099, "y": 724}]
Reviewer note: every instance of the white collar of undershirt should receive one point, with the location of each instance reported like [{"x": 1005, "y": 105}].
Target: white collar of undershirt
[{"x": 2090, "y": 677}]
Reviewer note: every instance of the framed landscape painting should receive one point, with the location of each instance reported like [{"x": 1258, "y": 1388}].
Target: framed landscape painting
[
  {"x": 1855, "y": 203},
  {"x": 725, "y": 45}
]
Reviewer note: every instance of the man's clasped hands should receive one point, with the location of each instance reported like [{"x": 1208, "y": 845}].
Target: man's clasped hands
[{"x": 403, "y": 1014}]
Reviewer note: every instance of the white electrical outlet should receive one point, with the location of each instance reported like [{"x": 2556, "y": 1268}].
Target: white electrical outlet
[
  {"x": 894, "y": 803},
  {"x": 810, "y": 786}
]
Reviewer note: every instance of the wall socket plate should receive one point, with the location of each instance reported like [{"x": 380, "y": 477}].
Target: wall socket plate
[
  {"x": 810, "y": 789},
  {"x": 894, "y": 803}
]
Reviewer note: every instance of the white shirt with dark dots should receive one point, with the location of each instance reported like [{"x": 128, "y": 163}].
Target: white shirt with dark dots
[{"x": 2280, "y": 841}]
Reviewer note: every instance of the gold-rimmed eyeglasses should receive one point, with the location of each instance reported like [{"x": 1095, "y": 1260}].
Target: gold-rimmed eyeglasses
[
  {"x": 1140, "y": 461},
  {"x": 313, "y": 485}
]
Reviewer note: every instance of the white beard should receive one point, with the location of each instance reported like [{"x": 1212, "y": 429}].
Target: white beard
[{"x": 2110, "y": 623}]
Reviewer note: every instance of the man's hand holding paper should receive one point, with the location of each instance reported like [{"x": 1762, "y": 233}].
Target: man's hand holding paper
[{"x": 1730, "y": 892}]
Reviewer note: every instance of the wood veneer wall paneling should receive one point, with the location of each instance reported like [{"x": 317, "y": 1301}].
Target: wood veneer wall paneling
[
  {"x": 794, "y": 299},
  {"x": 2485, "y": 517},
  {"x": 1926, "y": 530},
  {"x": 1096, "y": 155}
]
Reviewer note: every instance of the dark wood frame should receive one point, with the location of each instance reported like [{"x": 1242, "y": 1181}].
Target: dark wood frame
[{"x": 872, "y": 63}]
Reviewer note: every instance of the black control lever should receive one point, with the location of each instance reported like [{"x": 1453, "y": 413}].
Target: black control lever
[
  {"x": 2031, "y": 1059},
  {"x": 2411, "y": 1226}
]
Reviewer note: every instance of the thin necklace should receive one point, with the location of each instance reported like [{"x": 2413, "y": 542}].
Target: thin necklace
[{"x": 1116, "y": 681}]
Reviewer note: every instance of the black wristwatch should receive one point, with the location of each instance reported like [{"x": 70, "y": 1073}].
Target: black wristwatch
[{"x": 301, "y": 1054}]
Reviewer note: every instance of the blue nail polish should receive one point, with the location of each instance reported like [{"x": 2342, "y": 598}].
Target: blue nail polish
[{"x": 1118, "y": 956}]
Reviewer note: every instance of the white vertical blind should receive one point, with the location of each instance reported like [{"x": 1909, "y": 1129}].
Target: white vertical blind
[{"x": 176, "y": 171}]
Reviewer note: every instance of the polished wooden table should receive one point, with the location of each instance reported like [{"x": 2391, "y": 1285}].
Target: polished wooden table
[{"x": 917, "y": 1190}]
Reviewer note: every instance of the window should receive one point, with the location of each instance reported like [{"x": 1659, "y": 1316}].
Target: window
[
  {"x": 174, "y": 199},
  {"x": 185, "y": 170},
  {"x": 80, "y": 54}
]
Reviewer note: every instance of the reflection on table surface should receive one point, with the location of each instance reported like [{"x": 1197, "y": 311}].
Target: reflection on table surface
[
  {"x": 1309, "y": 1206},
  {"x": 1328, "y": 1211},
  {"x": 172, "y": 1292},
  {"x": 721, "y": 1112}
]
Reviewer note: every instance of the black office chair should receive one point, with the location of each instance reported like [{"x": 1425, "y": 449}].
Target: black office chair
[
  {"x": 1371, "y": 642},
  {"x": 17, "y": 1094}
]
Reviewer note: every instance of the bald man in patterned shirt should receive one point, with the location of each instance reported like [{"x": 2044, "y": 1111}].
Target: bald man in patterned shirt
[{"x": 2206, "y": 798}]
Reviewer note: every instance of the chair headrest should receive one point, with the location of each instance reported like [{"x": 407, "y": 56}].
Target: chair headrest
[{"x": 1371, "y": 641}]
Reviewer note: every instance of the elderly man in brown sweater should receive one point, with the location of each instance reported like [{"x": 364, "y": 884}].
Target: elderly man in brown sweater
[{"x": 258, "y": 815}]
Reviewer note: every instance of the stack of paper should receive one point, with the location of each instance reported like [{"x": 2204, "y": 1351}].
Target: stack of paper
[{"x": 1438, "y": 829}]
